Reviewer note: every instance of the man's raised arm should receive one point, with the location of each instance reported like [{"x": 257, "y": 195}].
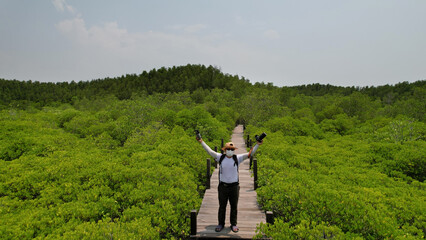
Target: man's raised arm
[{"x": 208, "y": 149}]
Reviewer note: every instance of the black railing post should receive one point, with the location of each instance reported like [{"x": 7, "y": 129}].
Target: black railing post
[
  {"x": 215, "y": 163},
  {"x": 269, "y": 217},
  {"x": 221, "y": 146},
  {"x": 251, "y": 161},
  {"x": 255, "y": 173},
  {"x": 208, "y": 174},
  {"x": 193, "y": 222},
  {"x": 248, "y": 140}
]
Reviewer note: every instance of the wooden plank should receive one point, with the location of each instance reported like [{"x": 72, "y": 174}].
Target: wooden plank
[{"x": 249, "y": 212}]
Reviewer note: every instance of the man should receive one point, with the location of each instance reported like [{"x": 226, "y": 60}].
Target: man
[{"x": 228, "y": 188}]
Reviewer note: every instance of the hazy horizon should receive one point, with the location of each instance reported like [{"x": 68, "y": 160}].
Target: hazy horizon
[{"x": 288, "y": 43}]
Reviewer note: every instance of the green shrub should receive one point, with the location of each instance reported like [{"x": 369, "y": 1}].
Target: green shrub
[
  {"x": 334, "y": 187},
  {"x": 15, "y": 149},
  {"x": 294, "y": 127},
  {"x": 66, "y": 116},
  {"x": 62, "y": 186}
]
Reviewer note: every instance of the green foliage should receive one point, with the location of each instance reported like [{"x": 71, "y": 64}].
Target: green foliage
[
  {"x": 329, "y": 112},
  {"x": 358, "y": 105},
  {"x": 294, "y": 127},
  {"x": 304, "y": 230},
  {"x": 228, "y": 116},
  {"x": 406, "y": 130},
  {"x": 258, "y": 106},
  {"x": 80, "y": 125},
  {"x": 304, "y": 113},
  {"x": 340, "y": 124},
  {"x": 198, "y": 118},
  {"x": 400, "y": 160},
  {"x": 15, "y": 149},
  {"x": 322, "y": 188},
  {"x": 137, "y": 229},
  {"x": 117, "y": 157},
  {"x": 125, "y": 171},
  {"x": 66, "y": 116},
  {"x": 300, "y": 101}
]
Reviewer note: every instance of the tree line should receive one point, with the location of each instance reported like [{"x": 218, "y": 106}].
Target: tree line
[
  {"x": 163, "y": 80},
  {"x": 179, "y": 79}
]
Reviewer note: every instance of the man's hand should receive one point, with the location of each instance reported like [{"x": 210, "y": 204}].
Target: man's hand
[
  {"x": 260, "y": 143},
  {"x": 199, "y": 140}
]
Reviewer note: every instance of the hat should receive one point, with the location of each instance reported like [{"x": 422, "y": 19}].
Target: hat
[{"x": 229, "y": 145}]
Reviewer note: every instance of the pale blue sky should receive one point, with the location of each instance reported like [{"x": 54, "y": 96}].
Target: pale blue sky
[{"x": 343, "y": 43}]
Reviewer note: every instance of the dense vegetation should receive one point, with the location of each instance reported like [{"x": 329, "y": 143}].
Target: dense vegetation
[
  {"x": 116, "y": 158},
  {"x": 125, "y": 170}
]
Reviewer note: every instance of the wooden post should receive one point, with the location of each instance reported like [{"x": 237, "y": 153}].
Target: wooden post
[
  {"x": 221, "y": 146},
  {"x": 193, "y": 222},
  {"x": 269, "y": 217},
  {"x": 208, "y": 174},
  {"x": 255, "y": 173},
  {"x": 215, "y": 163}
]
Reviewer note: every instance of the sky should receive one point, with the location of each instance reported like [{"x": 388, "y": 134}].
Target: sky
[{"x": 288, "y": 43}]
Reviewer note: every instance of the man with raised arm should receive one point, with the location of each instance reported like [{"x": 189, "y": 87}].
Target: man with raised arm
[{"x": 228, "y": 188}]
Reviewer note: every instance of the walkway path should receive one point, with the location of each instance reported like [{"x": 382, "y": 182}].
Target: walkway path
[{"x": 249, "y": 212}]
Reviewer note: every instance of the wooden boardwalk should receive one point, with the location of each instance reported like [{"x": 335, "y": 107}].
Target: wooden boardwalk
[{"x": 249, "y": 212}]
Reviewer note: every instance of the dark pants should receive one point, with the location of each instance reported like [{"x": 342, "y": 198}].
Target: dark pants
[{"x": 226, "y": 193}]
